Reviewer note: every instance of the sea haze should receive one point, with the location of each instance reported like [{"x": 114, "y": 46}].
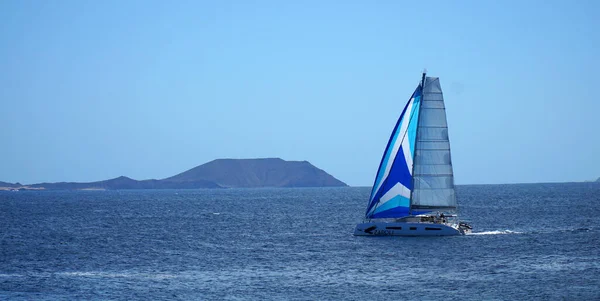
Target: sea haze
[{"x": 531, "y": 241}]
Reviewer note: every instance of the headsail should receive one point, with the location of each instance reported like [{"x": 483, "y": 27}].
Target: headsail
[
  {"x": 415, "y": 174},
  {"x": 390, "y": 196}
]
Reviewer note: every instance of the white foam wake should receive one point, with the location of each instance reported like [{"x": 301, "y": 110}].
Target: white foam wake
[{"x": 495, "y": 232}]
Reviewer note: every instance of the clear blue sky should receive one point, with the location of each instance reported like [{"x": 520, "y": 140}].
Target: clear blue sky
[{"x": 91, "y": 90}]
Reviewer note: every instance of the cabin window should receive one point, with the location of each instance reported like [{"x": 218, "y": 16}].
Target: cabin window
[
  {"x": 413, "y": 228},
  {"x": 394, "y": 228},
  {"x": 429, "y": 228}
]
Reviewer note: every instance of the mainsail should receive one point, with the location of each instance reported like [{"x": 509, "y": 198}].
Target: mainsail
[
  {"x": 433, "y": 181},
  {"x": 415, "y": 174}
]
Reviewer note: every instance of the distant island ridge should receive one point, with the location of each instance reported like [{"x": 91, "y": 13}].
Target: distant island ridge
[{"x": 220, "y": 173}]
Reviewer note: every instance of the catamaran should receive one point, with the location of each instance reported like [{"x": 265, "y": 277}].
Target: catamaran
[{"x": 413, "y": 193}]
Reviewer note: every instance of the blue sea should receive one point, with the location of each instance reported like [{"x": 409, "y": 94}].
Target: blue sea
[{"x": 530, "y": 242}]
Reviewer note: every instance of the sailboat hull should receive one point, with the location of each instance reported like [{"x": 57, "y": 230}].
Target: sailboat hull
[{"x": 406, "y": 229}]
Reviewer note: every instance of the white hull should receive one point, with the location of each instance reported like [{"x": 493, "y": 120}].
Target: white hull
[{"x": 407, "y": 229}]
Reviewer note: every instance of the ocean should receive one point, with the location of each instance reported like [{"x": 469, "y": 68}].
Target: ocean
[{"x": 530, "y": 242}]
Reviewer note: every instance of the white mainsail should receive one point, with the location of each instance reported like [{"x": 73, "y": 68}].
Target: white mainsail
[{"x": 433, "y": 179}]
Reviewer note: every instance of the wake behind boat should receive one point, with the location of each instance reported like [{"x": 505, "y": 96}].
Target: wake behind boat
[{"x": 413, "y": 193}]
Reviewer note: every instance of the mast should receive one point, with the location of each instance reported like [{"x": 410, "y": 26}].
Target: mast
[{"x": 412, "y": 172}]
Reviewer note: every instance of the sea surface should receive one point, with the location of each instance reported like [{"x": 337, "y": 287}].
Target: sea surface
[{"x": 530, "y": 242}]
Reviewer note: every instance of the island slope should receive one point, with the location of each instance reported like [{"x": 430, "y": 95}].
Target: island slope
[
  {"x": 267, "y": 172},
  {"x": 220, "y": 173}
]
